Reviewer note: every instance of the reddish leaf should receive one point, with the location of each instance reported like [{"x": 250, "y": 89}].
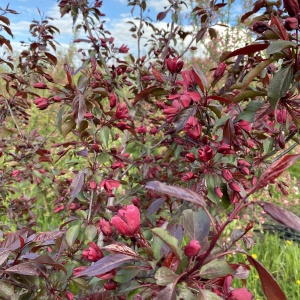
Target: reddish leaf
[
  {"x": 4, "y": 20},
  {"x": 274, "y": 171},
  {"x": 177, "y": 192},
  {"x": 79, "y": 107},
  {"x": 4, "y": 253},
  {"x": 47, "y": 260},
  {"x": 46, "y": 236},
  {"x": 220, "y": 99},
  {"x": 270, "y": 286},
  {"x": 147, "y": 92},
  {"x": 51, "y": 57},
  {"x": 228, "y": 132},
  {"x": 278, "y": 23},
  {"x": 157, "y": 75},
  {"x": 281, "y": 215},
  {"x": 106, "y": 264},
  {"x": 200, "y": 78},
  {"x": 182, "y": 117},
  {"x": 246, "y": 50},
  {"x": 257, "y": 6},
  {"x": 121, "y": 249},
  {"x": 162, "y": 15},
  {"x": 77, "y": 184},
  {"x": 200, "y": 34},
  {"x": 24, "y": 269},
  {"x": 168, "y": 293}
]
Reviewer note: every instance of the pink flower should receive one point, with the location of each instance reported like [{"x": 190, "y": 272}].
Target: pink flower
[
  {"x": 141, "y": 129},
  {"x": 109, "y": 184},
  {"x": 15, "y": 173},
  {"x": 192, "y": 248},
  {"x": 59, "y": 208},
  {"x": 245, "y": 125},
  {"x": 70, "y": 296},
  {"x": 193, "y": 128},
  {"x": 123, "y": 49},
  {"x": 93, "y": 253},
  {"x": 105, "y": 227},
  {"x": 291, "y": 24},
  {"x": 117, "y": 164},
  {"x": 93, "y": 185},
  {"x": 127, "y": 221},
  {"x": 240, "y": 294},
  {"x": 190, "y": 157},
  {"x": 122, "y": 111}
]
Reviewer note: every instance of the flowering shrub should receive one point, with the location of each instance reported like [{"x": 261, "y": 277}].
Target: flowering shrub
[{"x": 162, "y": 158}]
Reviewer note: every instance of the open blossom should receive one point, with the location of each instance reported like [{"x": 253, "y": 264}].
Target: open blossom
[
  {"x": 122, "y": 111},
  {"x": 171, "y": 111},
  {"x": 127, "y": 221},
  {"x": 192, "y": 248},
  {"x": 93, "y": 253},
  {"x": 193, "y": 128},
  {"x": 109, "y": 184}
]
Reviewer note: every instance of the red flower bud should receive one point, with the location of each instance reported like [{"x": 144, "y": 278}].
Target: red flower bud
[
  {"x": 193, "y": 128},
  {"x": 88, "y": 116},
  {"x": 192, "y": 248},
  {"x": 56, "y": 99},
  {"x": 127, "y": 221},
  {"x": 96, "y": 148},
  {"x": 40, "y": 85},
  {"x": 188, "y": 176},
  {"x": 93, "y": 184},
  {"x": 105, "y": 227},
  {"x": 281, "y": 140},
  {"x": 41, "y": 103},
  {"x": 202, "y": 156},
  {"x": 70, "y": 296},
  {"x": 15, "y": 173},
  {"x": 219, "y": 72},
  {"x": 291, "y": 24},
  {"x": 190, "y": 157},
  {"x": 122, "y": 111},
  {"x": 135, "y": 201},
  {"x": 218, "y": 192},
  {"x": 78, "y": 270},
  {"x": 209, "y": 152},
  {"x": 234, "y": 186},
  {"x": 107, "y": 275},
  {"x": 240, "y": 294},
  {"x": 110, "y": 285},
  {"x": 226, "y": 175},
  {"x": 93, "y": 253},
  {"x": 225, "y": 149},
  {"x": 112, "y": 100},
  {"x": 245, "y": 125},
  {"x": 173, "y": 65}
]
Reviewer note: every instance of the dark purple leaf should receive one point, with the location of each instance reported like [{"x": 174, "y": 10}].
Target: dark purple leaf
[
  {"x": 79, "y": 107},
  {"x": 168, "y": 293},
  {"x": 24, "y": 269},
  {"x": 182, "y": 117},
  {"x": 257, "y": 6},
  {"x": 158, "y": 91},
  {"x": 200, "y": 78},
  {"x": 4, "y": 253},
  {"x": 155, "y": 206},
  {"x": 274, "y": 171},
  {"x": 106, "y": 264},
  {"x": 46, "y": 236},
  {"x": 77, "y": 184},
  {"x": 162, "y": 15},
  {"x": 200, "y": 34},
  {"x": 177, "y": 192},
  {"x": 250, "y": 49},
  {"x": 281, "y": 215},
  {"x": 51, "y": 57},
  {"x": 228, "y": 132},
  {"x": 47, "y": 260},
  {"x": 270, "y": 286}
]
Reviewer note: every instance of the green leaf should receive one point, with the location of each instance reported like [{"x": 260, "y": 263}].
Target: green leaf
[
  {"x": 6, "y": 290},
  {"x": 196, "y": 224},
  {"x": 248, "y": 94},
  {"x": 216, "y": 268},
  {"x": 104, "y": 135},
  {"x": 164, "y": 276},
  {"x": 156, "y": 247},
  {"x": 254, "y": 72},
  {"x": 72, "y": 234},
  {"x": 126, "y": 274},
  {"x": 207, "y": 295},
  {"x": 169, "y": 240},
  {"x": 280, "y": 84},
  {"x": 68, "y": 125},
  {"x": 277, "y": 46},
  {"x": 90, "y": 232},
  {"x": 249, "y": 112}
]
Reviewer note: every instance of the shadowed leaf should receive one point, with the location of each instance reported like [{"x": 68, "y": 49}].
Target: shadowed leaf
[
  {"x": 216, "y": 268},
  {"x": 24, "y": 269},
  {"x": 77, "y": 184},
  {"x": 165, "y": 276},
  {"x": 182, "y": 117},
  {"x": 168, "y": 293},
  {"x": 47, "y": 260},
  {"x": 281, "y": 215}
]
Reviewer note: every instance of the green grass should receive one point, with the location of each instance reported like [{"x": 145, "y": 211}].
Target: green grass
[{"x": 281, "y": 258}]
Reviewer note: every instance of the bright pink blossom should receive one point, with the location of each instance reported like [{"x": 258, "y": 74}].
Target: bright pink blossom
[
  {"x": 109, "y": 184},
  {"x": 240, "y": 294},
  {"x": 192, "y": 248},
  {"x": 93, "y": 253},
  {"x": 193, "y": 128},
  {"x": 122, "y": 111},
  {"x": 127, "y": 221}
]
